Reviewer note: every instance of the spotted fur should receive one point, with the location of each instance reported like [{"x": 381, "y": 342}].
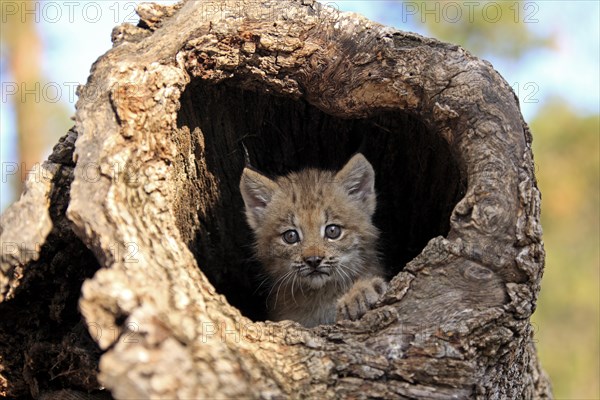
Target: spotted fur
[{"x": 347, "y": 281}]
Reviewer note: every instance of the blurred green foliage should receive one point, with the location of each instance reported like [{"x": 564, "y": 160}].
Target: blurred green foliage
[
  {"x": 567, "y": 157},
  {"x": 484, "y": 27},
  {"x": 567, "y": 151}
]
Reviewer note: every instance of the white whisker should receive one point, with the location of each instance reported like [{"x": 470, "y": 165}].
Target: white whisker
[
  {"x": 293, "y": 282},
  {"x": 275, "y": 284},
  {"x": 284, "y": 281}
]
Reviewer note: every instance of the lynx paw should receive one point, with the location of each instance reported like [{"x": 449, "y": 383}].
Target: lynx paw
[{"x": 361, "y": 297}]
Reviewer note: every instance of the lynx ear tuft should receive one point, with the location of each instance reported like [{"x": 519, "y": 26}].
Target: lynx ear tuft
[
  {"x": 357, "y": 178},
  {"x": 257, "y": 191}
]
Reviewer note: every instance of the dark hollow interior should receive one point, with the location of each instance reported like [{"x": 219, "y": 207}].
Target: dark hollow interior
[
  {"x": 44, "y": 341},
  {"x": 418, "y": 179}
]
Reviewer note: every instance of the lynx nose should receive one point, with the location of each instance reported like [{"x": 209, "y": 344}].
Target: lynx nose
[{"x": 313, "y": 261}]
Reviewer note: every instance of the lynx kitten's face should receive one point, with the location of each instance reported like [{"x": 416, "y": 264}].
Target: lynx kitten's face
[{"x": 313, "y": 228}]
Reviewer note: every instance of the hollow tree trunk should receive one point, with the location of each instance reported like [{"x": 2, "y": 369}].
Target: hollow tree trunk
[{"x": 140, "y": 203}]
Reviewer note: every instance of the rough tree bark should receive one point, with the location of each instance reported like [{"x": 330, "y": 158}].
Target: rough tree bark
[{"x": 121, "y": 259}]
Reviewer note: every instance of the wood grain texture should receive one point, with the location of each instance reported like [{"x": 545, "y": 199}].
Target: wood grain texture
[{"x": 161, "y": 127}]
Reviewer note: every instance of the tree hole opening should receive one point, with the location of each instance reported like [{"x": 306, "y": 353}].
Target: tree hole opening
[{"x": 418, "y": 179}]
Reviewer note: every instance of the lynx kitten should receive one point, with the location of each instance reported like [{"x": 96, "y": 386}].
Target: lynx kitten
[{"x": 316, "y": 241}]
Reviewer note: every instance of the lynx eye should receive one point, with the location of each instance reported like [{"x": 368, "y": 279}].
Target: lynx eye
[
  {"x": 333, "y": 231},
  {"x": 291, "y": 236}
]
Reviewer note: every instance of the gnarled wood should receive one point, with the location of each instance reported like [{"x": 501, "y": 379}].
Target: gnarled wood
[{"x": 161, "y": 126}]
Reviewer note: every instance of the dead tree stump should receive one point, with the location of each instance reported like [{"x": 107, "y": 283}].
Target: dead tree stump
[{"x": 127, "y": 264}]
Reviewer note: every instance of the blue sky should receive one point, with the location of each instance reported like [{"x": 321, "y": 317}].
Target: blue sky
[{"x": 571, "y": 70}]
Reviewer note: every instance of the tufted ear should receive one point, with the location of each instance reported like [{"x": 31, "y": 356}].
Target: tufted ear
[
  {"x": 257, "y": 191},
  {"x": 357, "y": 178}
]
